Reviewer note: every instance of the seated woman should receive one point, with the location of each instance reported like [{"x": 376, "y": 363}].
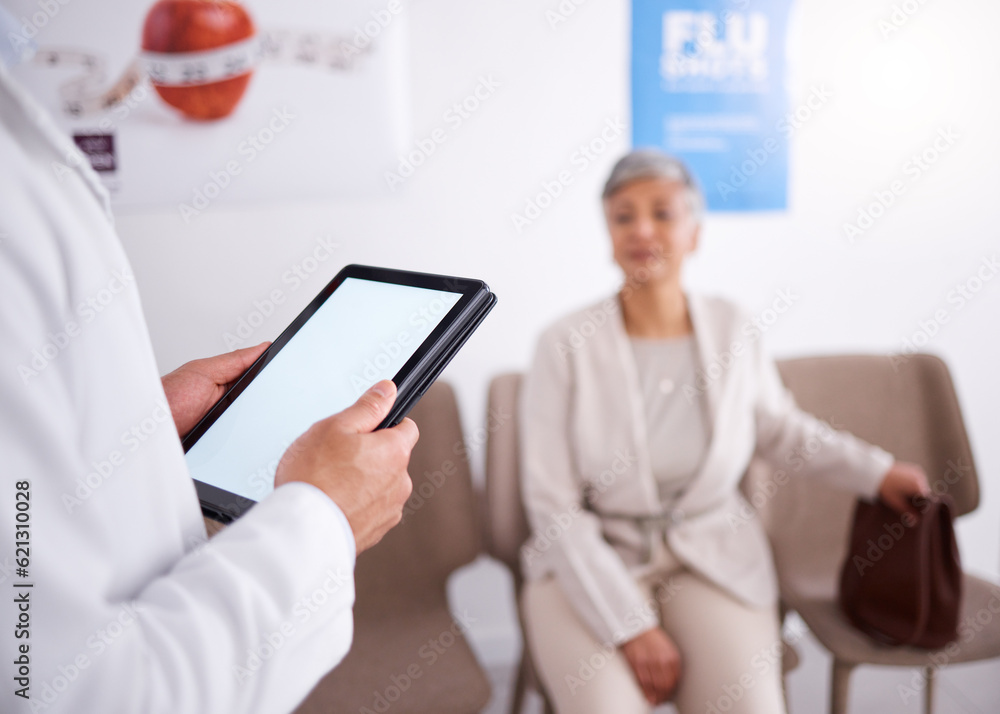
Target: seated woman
[{"x": 654, "y": 587}]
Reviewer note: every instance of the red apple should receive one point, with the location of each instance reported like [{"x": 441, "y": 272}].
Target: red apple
[{"x": 193, "y": 26}]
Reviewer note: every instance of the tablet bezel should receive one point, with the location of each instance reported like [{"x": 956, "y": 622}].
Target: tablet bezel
[{"x": 472, "y": 293}]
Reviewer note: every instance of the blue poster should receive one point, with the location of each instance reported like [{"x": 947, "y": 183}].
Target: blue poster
[{"x": 708, "y": 86}]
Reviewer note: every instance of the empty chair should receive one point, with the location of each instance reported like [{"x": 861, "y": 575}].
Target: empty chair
[
  {"x": 505, "y": 524},
  {"x": 408, "y": 651}
]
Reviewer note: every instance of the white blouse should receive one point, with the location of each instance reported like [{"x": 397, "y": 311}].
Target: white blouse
[{"x": 677, "y": 428}]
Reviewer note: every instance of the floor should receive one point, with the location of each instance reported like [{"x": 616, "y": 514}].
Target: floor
[{"x": 962, "y": 689}]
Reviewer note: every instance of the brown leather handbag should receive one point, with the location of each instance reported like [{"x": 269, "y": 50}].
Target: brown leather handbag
[{"x": 901, "y": 582}]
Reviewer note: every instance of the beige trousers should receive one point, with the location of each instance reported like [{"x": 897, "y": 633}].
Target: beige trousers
[{"x": 730, "y": 652}]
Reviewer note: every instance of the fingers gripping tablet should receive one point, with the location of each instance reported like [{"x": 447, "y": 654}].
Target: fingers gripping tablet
[{"x": 366, "y": 325}]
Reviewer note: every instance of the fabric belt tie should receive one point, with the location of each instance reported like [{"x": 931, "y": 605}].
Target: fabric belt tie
[{"x": 647, "y": 523}]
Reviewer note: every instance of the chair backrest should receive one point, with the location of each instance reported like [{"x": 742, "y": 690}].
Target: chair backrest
[
  {"x": 506, "y": 526},
  {"x": 908, "y": 406},
  {"x": 401, "y": 602},
  {"x": 440, "y": 530}
]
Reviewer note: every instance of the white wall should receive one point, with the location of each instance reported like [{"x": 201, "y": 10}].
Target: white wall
[{"x": 558, "y": 87}]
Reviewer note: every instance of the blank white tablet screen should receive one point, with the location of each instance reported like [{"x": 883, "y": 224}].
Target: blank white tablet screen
[{"x": 364, "y": 332}]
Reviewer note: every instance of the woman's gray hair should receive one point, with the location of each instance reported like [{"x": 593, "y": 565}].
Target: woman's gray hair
[{"x": 654, "y": 164}]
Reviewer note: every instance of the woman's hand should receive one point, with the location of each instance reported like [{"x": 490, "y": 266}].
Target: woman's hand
[
  {"x": 656, "y": 662},
  {"x": 900, "y": 484},
  {"x": 193, "y": 388}
]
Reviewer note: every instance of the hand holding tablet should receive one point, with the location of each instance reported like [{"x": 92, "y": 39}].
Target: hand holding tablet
[
  {"x": 363, "y": 471},
  {"x": 366, "y": 325}
]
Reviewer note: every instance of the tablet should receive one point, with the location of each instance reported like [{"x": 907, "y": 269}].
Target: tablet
[{"x": 366, "y": 325}]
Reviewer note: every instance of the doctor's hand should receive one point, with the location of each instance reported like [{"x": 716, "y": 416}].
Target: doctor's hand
[
  {"x": 194, "y": 388},
  {"x": 900, "y": 484},
  {"x": 656, "y": 663},
  {"x": 362, "y": 470}
]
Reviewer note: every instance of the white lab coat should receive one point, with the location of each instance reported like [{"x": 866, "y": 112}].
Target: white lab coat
[
  {"x": 129, "y": 611},
  {"x": 582, "y": 426}
]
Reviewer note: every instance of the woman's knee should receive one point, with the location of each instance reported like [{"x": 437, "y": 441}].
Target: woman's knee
[
  {"x": 580, "y": 674},
  {"x": 731, "y": 651}
]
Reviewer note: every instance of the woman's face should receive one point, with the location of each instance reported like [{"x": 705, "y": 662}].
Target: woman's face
[{"x": 652, "y": 229}]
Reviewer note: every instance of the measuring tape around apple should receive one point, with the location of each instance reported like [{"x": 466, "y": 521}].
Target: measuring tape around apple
[{"x": 205, "y": 83}]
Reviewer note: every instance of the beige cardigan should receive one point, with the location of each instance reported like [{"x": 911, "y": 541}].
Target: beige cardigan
[{"x": 583, "y": 428}]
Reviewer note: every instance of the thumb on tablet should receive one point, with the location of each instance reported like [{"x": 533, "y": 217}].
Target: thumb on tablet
[{"x": 371, "y": 408}]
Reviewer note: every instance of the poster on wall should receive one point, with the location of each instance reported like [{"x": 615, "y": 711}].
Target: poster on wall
[
  {"x": 190, "y": 104},
  {"x": 709, "y": 86}
]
